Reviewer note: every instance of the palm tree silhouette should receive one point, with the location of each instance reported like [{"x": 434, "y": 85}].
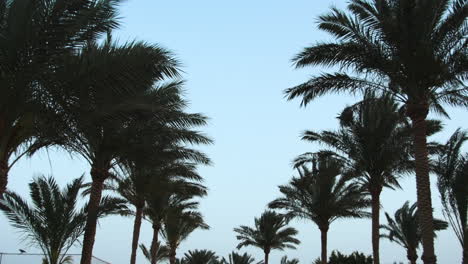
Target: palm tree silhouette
[
  {"x": 285, "y": 260},
  {"x": 35, "y": 34},
  {"x": 144, "y": 161},
  {"x": 236, "y": 258},
  {"x": 178, "y": 224},
  {"x": 53, "y": 221},
  {"x": 322, "y": 195},
  {"x": 200, "y": 257},
  {"x": 161, "y": 254},
  {"x": 415, "y": 50},
  {"x": 99, "y": 112},
  {"x": 452, "y": 171},
  {"x": 270, "y": 232},
  {"x": 374, "y": 140},
  {"x": 166, "y": 194},
  {"x": 404, "y": 229}
]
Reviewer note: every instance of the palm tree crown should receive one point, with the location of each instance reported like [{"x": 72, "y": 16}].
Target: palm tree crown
[
  {"x": 452, "y": 171},
  {"x": 200, "y": 257},
  {"x": 179, "y": 223},
  {"x": 35, "y": 34},
  {"x": 270, "y": 232},
  {"x": 420, "y": 61},
  {"x": 236, "y": 258},
  {"x": 161, "y": 254},
  {"x": 322, "y": 195},
  {"x": 404, "y": 229},
  {"x": 54, "y": 222},
  {"x": 285, "y": 260}
]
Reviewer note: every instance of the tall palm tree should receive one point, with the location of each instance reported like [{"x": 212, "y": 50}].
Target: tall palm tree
[
  {"x": 104, "y": 88},
  {"x": 53, "y": 221},
  {"x": 200, "y": 257},
  {"x": 374, "y": 140},
  {"x": 34, "y": 34},
  {"x": 236, "y": 258},
  {"x": 271, "y": 232},
  {"x": 178, "y": 225},
  {"x": 405, "y": 229},
  {"x": 416, "y": 50},
  {"x": 322, "y": 195},
  {"x": 452, "y": 172},
  {"x": 161, "y": 254}
]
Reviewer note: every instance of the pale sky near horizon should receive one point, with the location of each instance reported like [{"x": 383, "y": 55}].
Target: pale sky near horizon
[{"x": 236, "y": 57}]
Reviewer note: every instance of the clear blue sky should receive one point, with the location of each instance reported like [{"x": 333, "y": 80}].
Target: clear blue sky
[{"x": 236, "y": 56}]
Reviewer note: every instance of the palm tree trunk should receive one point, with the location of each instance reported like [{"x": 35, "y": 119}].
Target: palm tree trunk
[
  {"x": 93, "y": 206},
  {"x": 412, "y": 255},
  {"x": 3, "y": 177},
  {"x": 154, "y": 243},
  {"x": 418, "y": 114},
  {"x": 172, "y": 256},
  {"x": 375, "y": 196},
  {"x": 267, "y": 255},
  {"x": 323, "y": 234},
  {"x": 136, "y": 232},
  {"x": 54, "y": 257}
]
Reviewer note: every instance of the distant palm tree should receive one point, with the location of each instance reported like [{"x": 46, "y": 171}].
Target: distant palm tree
[
  {"x": 405, "y": 230},
  {"x": 270, "y": 232},
  {"x": 161, "y": 254},
  {"x": 415, "y": 50},
  {"x": 178, "y": 224},
  {"x": 452, "y": 172},
  {"x": 200, "y": 257},
  {"x": 236, "y": 258},
  {"x": 167, "y": 193},
  {"x": 285, "y": 260},
  {"x": 54, "y": 222},
  {"x": 354, "y": 258},
  {"x": 374, "y": 139},
  {"x": 322, "y": 195},
  {"x": 34, "y": 35}
]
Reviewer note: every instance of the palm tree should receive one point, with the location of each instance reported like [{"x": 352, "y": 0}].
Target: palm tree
[
  {"x": 405, "y": 230},
  {"x": 236, "y": 258},
  {"x": 168, "y": 193},
  {"x": 34, "y": 34},
  {"x": 322, "y": 195},
  {"x": 132, "y": 189},
  {"x": 285, "y": 260},
  {"x": 270, "y": 232},
  {"x": 354, "y": 258},
  {"x": 53, "y": 221},
  {"x": 415, "y": 50},
  {"x": 178, "y": 225},
  {"x": 162, "y": 253},
  {"x": 143, "y": 163},
  {"x": 200, "y": 257},
  {"x": 374, "y": 140},
  {"x": 100, "y": 103},
  {"x": 452, "y": 172}
]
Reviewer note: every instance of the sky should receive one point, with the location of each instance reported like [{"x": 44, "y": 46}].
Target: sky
[{"x": 236, "y": 57}]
